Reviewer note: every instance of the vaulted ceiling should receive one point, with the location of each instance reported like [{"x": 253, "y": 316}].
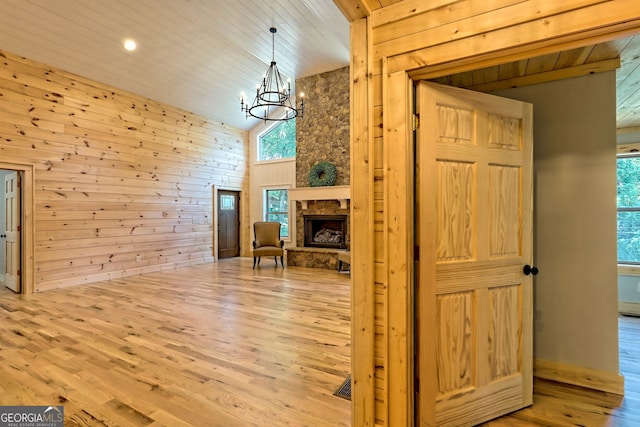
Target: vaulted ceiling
[
  {"x": 201, "y": 55},
  {"x": 198, "y": 55}
]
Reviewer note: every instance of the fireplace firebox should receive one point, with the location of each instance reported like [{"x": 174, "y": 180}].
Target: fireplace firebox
[{"x": 325, "y": 231}]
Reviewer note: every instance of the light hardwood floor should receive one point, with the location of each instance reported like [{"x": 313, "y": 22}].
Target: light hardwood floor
[
  {"x": 224, "y": 345},
  {"x": 210, "y": 345},
  {"x": 562, "y": 405}
]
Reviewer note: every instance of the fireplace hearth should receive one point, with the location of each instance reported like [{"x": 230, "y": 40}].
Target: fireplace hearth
[{"x": 325, "y": 231}]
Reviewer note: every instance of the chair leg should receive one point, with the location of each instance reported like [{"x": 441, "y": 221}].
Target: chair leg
[
  {"x": 254, "y": 263},
  {"x": 281, "y": 261},
  {"x": 275, "y": 258},
  {"x": 339, "y": 266}
]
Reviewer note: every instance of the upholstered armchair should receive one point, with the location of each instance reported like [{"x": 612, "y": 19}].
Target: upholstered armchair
[{"x": 267, "y": 242}]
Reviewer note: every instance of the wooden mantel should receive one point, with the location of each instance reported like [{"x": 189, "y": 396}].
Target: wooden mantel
[{"x": 341, "y": 193}]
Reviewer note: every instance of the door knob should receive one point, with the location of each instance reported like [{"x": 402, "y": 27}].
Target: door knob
[{"x": 527, "y": 270}]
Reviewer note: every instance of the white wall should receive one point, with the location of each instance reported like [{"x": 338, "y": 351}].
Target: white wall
[
  {"x": 629, "y": 288},
  {"x": 270, "y": 174},
  {"x": 576, "y": 294}
]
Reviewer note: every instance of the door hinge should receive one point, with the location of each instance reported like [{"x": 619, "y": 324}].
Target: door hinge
[
  {"x": 18, "y": 228},
  {"x": 18, "y": 273},
  {"x": 416, "y": 253},
  {"x": 416, "y": 121}
]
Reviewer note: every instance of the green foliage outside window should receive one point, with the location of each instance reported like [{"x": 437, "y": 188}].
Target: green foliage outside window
[
  {"x": 628, "y": 210},
  {"x": 277, "y": 209},
  {"x": 279, "y": 142}
]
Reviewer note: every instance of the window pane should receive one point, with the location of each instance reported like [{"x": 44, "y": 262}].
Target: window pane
[
  {"x": 628, "y": 169},
  {"x": 628, "y": 182},
  {"x": 279, "y": 142},
  {"x": 277, "y": 209},
  {"x": 629, "y": 237},
  {"x": 283, "y": 219},
  {"x": 227, "y": 202},
  {"x": 277, "y": 201}
]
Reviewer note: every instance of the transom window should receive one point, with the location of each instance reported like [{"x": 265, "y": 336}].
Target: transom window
[{"x": 279, "y": 142}]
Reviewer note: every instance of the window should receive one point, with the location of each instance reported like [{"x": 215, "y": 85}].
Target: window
[
  {"x": 629, "y": 210},
  {"x": 277, "y": 208},
  {"x": 279, "y": 142},
  {"x": 227, "y": 202}
]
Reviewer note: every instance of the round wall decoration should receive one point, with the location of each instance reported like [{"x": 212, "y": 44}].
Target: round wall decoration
[{"x": 322, "y": 174}]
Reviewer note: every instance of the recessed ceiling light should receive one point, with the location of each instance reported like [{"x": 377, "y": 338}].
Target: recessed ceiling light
[{"x": 129, "y": 45}]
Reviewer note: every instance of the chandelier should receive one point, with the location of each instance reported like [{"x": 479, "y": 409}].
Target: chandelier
[{"x": 272, "y": 94}]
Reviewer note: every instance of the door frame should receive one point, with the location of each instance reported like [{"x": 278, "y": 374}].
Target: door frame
[
  {"x": 241, "y": 215},
  {"x": 397, "y": 80},
  {"x": 239, "y": 212},
  {"x": 27, "y": 220},
  {"x": 380, "y": 79}
]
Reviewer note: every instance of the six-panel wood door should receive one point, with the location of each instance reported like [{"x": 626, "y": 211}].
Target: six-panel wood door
[
  {"x": 12, "y": 228},
  {"x": 474, "y": 311}
]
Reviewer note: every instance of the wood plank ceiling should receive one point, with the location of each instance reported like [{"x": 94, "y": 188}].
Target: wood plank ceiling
[{"x": 200, "y": 55}]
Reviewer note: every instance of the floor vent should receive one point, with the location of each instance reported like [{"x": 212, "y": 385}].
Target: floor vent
[{"x": 344, "y": 391}]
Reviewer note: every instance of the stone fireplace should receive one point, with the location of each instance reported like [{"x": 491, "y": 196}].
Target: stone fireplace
[
  {"x": 323, "y": 135},
  {"x": 323, "y": 230}
]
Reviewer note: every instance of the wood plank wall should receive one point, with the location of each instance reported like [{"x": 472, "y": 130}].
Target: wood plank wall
[
  {"x": 419, "y": 39},
  {"x": 116, "y": 176}
]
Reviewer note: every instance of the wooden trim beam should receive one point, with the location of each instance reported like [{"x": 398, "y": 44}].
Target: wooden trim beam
[
  {"x": 628, "y": 130},
  {"x": 353, "y": 10},
  {"x": 363, "y": 397},
  {"x": 576, "y": 375},
  {"x": 518, "y": 53},
  {"x": 633, "y": 148},
  {"x": 405, "y": 9},
  {"x": 629, "y": 269},
  {"x": 492, "y": 49},
  {"x": 629, "y": 308},
  {"x": 549, "y": 76},
  {"x": 398, "y": 247}
]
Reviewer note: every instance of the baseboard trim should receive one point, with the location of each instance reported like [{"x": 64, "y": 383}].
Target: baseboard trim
[
  {"x": 629, "y": 308},
  {"x": 577, "y": 375}
]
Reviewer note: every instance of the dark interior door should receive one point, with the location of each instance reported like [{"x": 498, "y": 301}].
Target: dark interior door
[{"x": 228, "y": 224}]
